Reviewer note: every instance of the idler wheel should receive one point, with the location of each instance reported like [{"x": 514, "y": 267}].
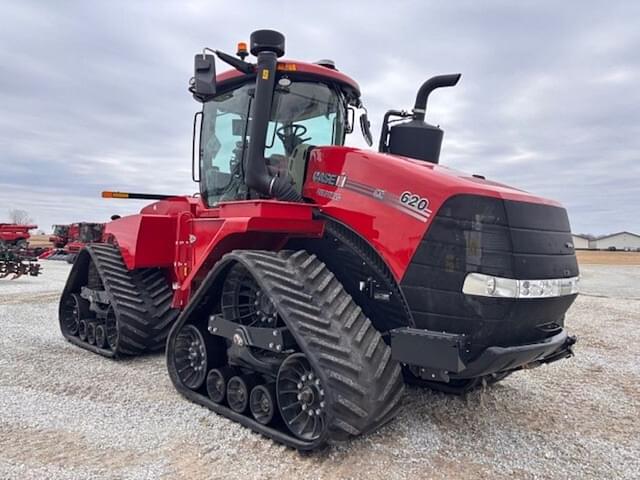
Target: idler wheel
[
  {"x": 191, "y": 357},
  {"x": 301, "y": 398},
  {"x": 74, "y": 308}
]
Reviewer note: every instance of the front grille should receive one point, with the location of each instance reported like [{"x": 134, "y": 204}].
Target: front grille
[{"x": 495, "y": 237}]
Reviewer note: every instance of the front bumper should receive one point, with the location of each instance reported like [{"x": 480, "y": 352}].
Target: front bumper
[{"x": 439, "y": 356}]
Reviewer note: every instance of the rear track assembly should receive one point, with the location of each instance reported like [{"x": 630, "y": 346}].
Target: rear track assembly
[{"x": 112, "y": 311}]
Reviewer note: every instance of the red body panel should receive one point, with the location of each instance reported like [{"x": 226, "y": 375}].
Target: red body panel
[
  {"x": 391, "y": 228},
  {"x": 190, "y": 238},
  {"x": 10, "y": 232},
  {"x": 184, "y": 236}
]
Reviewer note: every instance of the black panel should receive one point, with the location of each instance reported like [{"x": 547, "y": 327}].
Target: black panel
[
  {"x": 496, "y": 237},
  {"x": 536, "y": 216}
]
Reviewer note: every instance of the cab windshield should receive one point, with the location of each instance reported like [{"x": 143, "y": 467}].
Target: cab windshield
[
  {"x": 90, "y": 232},
  {"x": 61, "y": 230},
  {"x": 303, "y": 114}
]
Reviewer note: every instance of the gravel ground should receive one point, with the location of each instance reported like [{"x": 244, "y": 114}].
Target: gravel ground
[{"x": 66, "y": 413}]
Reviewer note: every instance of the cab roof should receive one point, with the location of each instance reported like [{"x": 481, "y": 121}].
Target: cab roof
[{"x": 297, "y": 70}]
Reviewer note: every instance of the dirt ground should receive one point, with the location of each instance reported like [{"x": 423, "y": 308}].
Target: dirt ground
[
  {"x": 604, "y": 257},
  {"x": 39, "y": 241},
  {"x": 67, "y": 414}
]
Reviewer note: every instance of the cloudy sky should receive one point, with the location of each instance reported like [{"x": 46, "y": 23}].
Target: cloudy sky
[{"x": 93, "y": 94}]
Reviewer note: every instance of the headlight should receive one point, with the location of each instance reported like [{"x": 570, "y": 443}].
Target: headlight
[{"x": 490, "y": 286}]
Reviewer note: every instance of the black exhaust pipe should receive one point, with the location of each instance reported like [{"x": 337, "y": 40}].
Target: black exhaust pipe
[
  {"x": 416, "y": 138},
  {"x": 420, "y": 108},
  {"x": 267, "y": 46}
]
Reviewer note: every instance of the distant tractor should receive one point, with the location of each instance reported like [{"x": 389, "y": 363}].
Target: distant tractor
[
  {"x": 72, "y": 238},
  {"x": 308, "y": 281},
  {"x": 80, "y": 235},
  {"x": 12, "y": 234},
  {"x": 60, "y": 236}
]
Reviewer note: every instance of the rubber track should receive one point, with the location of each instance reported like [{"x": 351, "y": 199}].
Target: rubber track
[
  {"x": 141, "y": 300},
  {"x": 363, "y": 383}
]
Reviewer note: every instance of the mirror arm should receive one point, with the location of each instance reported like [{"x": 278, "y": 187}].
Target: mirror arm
[
  {"x": 193, "y": 149},
  {"x": 240, "y": 65}
]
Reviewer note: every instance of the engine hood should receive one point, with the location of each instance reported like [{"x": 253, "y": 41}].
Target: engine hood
[
  {"x": 390, "y": 200},
  {"x": 369, "y": 166}
]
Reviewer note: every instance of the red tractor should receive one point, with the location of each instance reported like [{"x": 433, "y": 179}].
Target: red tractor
[
  {"x": 70, "y": 239},
  {"x": 15, "y": 235},
  {"x": 308, "y": 281},
  {"x": 60, "y": 236},
  {"x": 80, "y": 235}
]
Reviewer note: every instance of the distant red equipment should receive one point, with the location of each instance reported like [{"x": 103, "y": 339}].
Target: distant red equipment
[{"x": 16, "y": 235}]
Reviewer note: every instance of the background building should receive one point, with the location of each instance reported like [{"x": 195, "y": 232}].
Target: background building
[
  {"x": 617, "y": 241},
  {"x": 580, "y": 242}
]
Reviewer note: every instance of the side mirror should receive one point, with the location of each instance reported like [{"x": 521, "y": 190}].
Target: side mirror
[
  {"x": 204, "y": 76},
  {"x": 351, "y": 117},
  {"x": 365, "y": 126}
]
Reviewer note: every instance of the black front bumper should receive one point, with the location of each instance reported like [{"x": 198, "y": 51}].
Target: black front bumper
[{"x": 439, "y": 356}]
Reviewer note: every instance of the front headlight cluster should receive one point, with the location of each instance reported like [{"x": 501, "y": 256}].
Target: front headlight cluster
[{"x": 490, "y": 286}]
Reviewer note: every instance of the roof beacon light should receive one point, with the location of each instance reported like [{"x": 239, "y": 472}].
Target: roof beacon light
[{"x": 242, "y": 52}]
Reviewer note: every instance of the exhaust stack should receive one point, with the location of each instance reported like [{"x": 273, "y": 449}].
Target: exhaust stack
[{"x": 416, "y": 138}]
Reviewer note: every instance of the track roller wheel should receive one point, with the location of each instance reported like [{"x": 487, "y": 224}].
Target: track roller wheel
[
  {"x": 82, "y": 330},
  {"x": 262, "y": 403},
  {"x": 73, "y": 309},
  {"x": 101, "y": 336},
  {"x": 191, "y": 357},
  {"x": 238, "y": 389},
  {"x": 91, "y": 333},
  {"x": 301, "y": 398},
  {"x": 217, "y": 380}
]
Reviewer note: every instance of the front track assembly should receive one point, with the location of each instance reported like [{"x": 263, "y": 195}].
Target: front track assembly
[
  {"x": 274, "y": 342},
  {"x": 112, "y": 311}
]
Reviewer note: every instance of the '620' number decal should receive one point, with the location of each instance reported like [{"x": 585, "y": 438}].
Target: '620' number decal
[{"x": 414, "y": 201}]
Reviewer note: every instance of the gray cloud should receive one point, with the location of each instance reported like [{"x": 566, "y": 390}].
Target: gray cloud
[{"x": 93, "y": 95}]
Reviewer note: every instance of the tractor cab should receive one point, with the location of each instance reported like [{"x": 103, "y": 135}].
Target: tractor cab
[
  {"x": 304, "y": 114},
  {"x": 90, "y": 232},
  {"x": 60, "y": 235},
  {"x": 256, "y": 136}
]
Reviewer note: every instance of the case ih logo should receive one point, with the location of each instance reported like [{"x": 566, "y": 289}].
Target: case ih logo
[{"x": 329, "y": 179}]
